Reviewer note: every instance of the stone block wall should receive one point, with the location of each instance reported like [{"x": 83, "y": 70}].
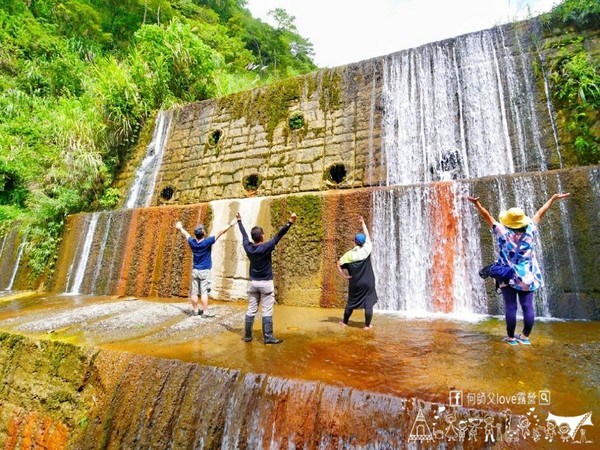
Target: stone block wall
[
  {"x": 244, "y": 145},
  {"x": 323, "y": 131}
]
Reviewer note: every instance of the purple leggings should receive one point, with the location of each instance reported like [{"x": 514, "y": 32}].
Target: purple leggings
[{"x": 510, "y": 305}]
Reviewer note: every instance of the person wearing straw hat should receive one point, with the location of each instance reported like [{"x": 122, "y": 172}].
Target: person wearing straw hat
[
  {"x": 201, "y": 247},
  {"x": 516, "y": 235},
  {"x": 355, "y": 266}
]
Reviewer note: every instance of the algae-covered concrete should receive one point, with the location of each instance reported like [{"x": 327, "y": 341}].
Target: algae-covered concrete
[{"x": 246, "y": 144}]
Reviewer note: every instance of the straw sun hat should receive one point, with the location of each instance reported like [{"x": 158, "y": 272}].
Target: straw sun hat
[{"x": 514, "y": 218}]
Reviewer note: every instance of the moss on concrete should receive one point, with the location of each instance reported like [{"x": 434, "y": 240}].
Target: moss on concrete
[
  {"x": 331, "y": 93},
  {"x": 297, "y": 260},
  {"x": 266, "y": 107}
]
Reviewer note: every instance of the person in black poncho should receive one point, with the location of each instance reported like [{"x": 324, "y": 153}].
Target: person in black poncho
[{"x": 356, "y": 267}]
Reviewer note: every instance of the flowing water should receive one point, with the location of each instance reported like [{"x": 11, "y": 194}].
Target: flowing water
[
  {"x": 431, "y": 250},
  {"x": 463, "y": 108},
  {"x": 142, "y": 190},
  {"x": 16, "y": 268},
  {"x": 11, "y": 252},
  {"x": 84, "y": 256},
  {"x": 320, "y": 384}
]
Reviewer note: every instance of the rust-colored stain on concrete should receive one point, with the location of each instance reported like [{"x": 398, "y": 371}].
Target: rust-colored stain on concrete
[{"x": 31, "y": 430}]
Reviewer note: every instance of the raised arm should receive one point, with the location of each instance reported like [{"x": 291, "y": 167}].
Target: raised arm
[
  {"x": 546, "y": 206},
  {"x": 484, "y": 212},
  {"x": 185, "y": 234},
  {"x": 364, "y": 228},
  {"x": 225, "y": 230},
  {"x": 282, "y": 231},
  {"x": 238, "y": 218}
]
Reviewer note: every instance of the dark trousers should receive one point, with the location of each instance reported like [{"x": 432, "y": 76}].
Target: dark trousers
[
  {"x": 368, "y": 315},
  {"x": 525, "y": 298}
]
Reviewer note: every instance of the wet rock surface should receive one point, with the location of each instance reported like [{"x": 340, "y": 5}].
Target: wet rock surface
[{"x": 424, "y": 361}]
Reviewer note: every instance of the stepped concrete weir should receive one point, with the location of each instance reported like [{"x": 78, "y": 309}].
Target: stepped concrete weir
[
  {"x": 433, "y": 245},
  {"x": 106, "y": 353},
  {"x": 107, "y": 372}
]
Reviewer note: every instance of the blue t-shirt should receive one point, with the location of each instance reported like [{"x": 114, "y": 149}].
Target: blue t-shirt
[{"x": 201, "y": 251}]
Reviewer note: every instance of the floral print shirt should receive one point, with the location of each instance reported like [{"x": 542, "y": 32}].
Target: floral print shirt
[{"x": 523, "y": 260}]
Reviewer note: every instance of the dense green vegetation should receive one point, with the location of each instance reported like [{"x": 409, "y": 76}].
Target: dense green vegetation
[
  {"x": 79, "y": 78},
  {"x": 575, "y": 77}
]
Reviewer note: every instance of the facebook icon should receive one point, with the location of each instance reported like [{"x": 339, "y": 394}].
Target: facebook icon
[{"x": 455, "y": 398}]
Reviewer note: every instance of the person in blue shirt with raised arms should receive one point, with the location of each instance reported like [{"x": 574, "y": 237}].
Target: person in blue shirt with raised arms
[{"x": 201, "y": 249}]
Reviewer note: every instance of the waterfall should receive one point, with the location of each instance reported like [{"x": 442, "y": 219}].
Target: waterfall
[
  {"x": 547, "y": 97},
  {"x": 458, "y": 109},
  {"x": 568, "y": 238},
  {"x": 84, "y": 255},
  {"x": 2, "y": 246},
  {"x": 100, "y": 260},
  {"x": 16, "y": 267},
  {"x": 97, "y": 255},
  {"x": 11, "y": 251},
  {"x": 140, "y": 194},
  {"x": 230, "y": 264},
  {"x": 435, "y": 250},
  {"x": 521, "y": 101},
  {"x": 111, "y": 256},
  {"x": 371, "y": 161},
  {"x": 4, "y": 238}
]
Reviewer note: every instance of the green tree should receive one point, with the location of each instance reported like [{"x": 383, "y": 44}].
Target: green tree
[
  {"x": 173, "y": 63},
  {"x": 78, "y": 78},
  {"x": 580, "y": 13}
]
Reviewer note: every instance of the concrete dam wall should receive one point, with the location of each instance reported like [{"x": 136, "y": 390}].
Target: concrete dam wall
[
  {"x": 401, "y": 140},
  {"x": 429, "y": 245},
  {"x": 462, "y": 108}
]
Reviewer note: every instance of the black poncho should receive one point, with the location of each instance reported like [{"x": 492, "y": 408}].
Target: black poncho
[{"x": 361, "y": 287}]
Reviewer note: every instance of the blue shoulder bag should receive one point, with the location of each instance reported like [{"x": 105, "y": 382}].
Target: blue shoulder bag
[{"x": 499, "y": 270}]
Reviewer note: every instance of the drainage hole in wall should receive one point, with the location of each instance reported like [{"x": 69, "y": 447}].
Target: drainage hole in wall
[
  {"x": 214, "y": 137},
  {"x": 296, "y": 121},
  {"x": 251, "y": 182},
  {"x": 167, "y": 193},
  {"x": 337, "y": 173}
]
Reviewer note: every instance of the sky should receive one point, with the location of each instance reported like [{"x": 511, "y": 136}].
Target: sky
[{"x": 348, "y": 31}]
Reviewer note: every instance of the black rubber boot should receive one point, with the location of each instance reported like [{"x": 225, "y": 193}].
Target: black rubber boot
[
  {"x": 248, "y": 328},
  {"x": 267, "y": 326}
]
